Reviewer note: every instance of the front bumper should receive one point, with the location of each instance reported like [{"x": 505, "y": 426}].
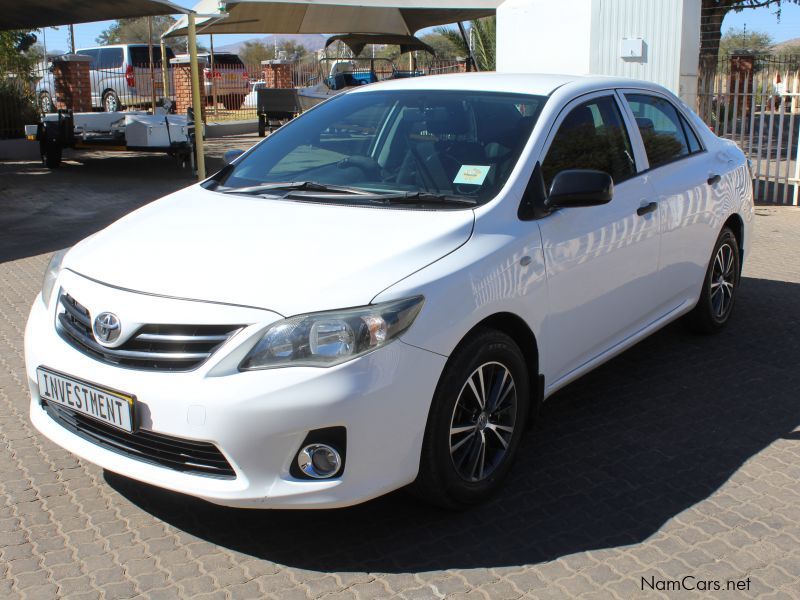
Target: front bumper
[{"x": 257, "y": 419}]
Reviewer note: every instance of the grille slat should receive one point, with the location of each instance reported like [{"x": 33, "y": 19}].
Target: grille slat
[
  {"x": 187, "y": 456},
  {"x": 154, "y": 347}
]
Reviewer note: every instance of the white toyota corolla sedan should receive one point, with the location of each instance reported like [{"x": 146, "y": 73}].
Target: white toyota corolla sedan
[{"x": 383, "y": 291}]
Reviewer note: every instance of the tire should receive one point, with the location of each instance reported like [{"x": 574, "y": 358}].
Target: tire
[
  {"x": 450, "y": 464},
  {"x": 51, "y": 155},
  {"x": 233, "y": 102},
  {"x": 714, "y": 309},
  {"x": 46, "y": 103},
  {"x": 111, "y": 102}
]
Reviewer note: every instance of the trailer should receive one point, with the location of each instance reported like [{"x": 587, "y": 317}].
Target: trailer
[{"x": 114, "y": 131}]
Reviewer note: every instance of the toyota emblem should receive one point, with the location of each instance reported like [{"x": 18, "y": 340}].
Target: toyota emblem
[{"x": 106, "y": 327}]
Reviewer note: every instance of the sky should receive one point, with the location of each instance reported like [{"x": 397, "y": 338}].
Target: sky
[{"x": 758, "y": 19}]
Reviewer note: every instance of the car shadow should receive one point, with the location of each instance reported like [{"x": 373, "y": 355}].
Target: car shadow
[{"x": 612, "y": 458}]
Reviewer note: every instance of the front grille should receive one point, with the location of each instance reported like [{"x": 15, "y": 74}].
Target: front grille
[
  {"x": 157, "y": 347},
  {"x": 187, "y": 456}
]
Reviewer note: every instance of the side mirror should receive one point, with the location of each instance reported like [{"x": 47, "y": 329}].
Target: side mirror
[
  {"x": 232, "y": 155},
  {"x": 580, "y": 187}
]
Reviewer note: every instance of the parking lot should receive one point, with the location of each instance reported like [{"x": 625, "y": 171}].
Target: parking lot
[{"x": 677, "y": 461}]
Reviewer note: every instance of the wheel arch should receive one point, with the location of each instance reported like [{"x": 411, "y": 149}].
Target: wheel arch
[
  {"x": 518, "y": 330},
  {"x": 736, "y": 224}
]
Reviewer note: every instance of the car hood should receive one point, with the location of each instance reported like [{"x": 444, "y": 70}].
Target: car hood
[{"x": 288, "y": 257}]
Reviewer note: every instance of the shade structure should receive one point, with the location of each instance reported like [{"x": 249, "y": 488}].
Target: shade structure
[
  {"x": 357, "y": 41},
  {"x": 33, "y": 14},
  {"x": 402, "y": 17}
]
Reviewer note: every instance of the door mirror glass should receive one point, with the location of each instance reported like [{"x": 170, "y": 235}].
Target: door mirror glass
[
  {"x": 580, "y": 187},
  {"x": 232, "y": 155}
]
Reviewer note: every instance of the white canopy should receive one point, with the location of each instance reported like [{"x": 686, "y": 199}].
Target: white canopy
[
  {"x": 404, "y": 17},
  {"x": 32, "y": 14}
]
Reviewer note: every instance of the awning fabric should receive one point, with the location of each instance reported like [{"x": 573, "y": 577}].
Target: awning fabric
[
  {"x": 357, "y": 41},
  {"x": 402, "y": 17},
  {"x": 33, "y": 14}
]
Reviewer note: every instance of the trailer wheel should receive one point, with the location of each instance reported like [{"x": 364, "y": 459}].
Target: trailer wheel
[{"x": 51, "y": 154}]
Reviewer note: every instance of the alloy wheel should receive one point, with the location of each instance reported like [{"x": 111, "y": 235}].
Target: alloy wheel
[
  {"x": 483, "y": 420},
  {"x": 723, "y": 281}
]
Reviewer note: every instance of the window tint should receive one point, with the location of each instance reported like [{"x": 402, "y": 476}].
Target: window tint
[
  {"x": 140, "y": 56},
  {"x": 691, "y": 137},
  {"x": 110, "y": 58},
  {"x": 592, "y": 136},
  {"x": 226, "y": 59},
  {"x": 661, "y": 129},
  {"x": 91, "y": 54}
]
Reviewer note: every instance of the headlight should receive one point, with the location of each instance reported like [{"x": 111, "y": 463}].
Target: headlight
[
  {"x": 51, "y": 274},
  {"x": 329, "y": 338}
]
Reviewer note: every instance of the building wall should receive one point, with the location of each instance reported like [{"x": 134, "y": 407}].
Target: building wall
[{"x": 585, "y": 36}]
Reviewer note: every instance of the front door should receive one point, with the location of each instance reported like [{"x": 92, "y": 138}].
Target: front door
[{"x": 601, "y": 261}]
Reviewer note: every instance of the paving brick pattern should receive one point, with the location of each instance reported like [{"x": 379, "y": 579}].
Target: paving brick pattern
[{"x": 681, "y": 457}]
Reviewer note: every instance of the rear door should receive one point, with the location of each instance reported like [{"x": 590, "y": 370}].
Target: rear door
[
  {"x": 111, "y": 73},
  {"x": 681, "y": 172},
  {"x": 602, "y": 261},
  {"x": 93, "y": 54}
]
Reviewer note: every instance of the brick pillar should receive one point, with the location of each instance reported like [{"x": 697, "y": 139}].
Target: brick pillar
[
  {"x": 71, "y": 80},
  {"x": 462, "y": 65},
  {"x": 277, "y": 73},
  {"x": 182, "y": 84}
]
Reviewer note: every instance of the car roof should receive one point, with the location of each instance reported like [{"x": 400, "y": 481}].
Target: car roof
[{"x": 539, "y": 84}]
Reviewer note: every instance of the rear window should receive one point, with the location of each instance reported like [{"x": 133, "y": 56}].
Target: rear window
[
  {"x": 227, "y": 59},
  {"x": 140, "y": 55}
]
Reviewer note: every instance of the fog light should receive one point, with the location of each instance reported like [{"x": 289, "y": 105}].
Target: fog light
[{"x": 319, "y": 461}]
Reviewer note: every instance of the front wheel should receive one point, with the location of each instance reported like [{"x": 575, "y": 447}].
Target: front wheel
[
  {"x": 720, "y": 285},
  {"x": 475, "y": 424}
]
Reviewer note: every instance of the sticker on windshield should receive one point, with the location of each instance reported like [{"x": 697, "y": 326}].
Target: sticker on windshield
[{"x": 472, "y": 174}]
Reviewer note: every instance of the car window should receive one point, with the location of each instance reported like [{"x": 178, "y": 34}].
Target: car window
[
  {"x": 662, "y": 129},
  {"x": 591, "y": 136},
  {"x": 140, "y": 56},
  {"x": 437, "y": 141},
  {"x": 110, "y": 58},
  {"x": 226, "y": 59},
  {"x": 691, "y": 137},
  {"x": 91, "y": 54}
]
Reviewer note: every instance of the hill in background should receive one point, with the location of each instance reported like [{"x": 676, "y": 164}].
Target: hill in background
[{"x": 312, "y": 41}]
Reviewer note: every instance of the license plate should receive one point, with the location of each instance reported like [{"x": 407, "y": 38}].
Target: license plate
[{"x": 98, "y": 402}]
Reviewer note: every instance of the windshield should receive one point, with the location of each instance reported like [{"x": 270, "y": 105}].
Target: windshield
[{"x": 453, "y": 143}]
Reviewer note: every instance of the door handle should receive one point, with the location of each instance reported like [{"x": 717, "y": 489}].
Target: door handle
[
  {"x": 714, "y": 179},
  {"x": 646, "y": 208}
]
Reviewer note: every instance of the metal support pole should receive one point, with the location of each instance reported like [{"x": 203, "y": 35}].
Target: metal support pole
[
  {"x": 196, "y": 106},
  {"x": 469, "y": 48},
  {"x": 164, "y": 70},
  {"x": 150, "y": 57},
  {"x": 213, "y": 75}
]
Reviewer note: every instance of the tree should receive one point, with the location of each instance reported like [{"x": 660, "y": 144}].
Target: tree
[
  {"x": 444, "y": 46},
  {"x": 712, "y": 13},
  {"x": 484, "y": 41},
  {"x": 17, "y": 52},
  {"x": 135, "y": 31},
  {"x": 252, "y": 53},
  {"x": 736, "y": 40}
]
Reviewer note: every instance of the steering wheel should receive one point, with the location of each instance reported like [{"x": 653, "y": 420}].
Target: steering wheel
[{"x": 366, "y": 164}]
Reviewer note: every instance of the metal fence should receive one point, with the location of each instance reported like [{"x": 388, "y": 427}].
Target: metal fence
[{"x": 760, "y": 111}]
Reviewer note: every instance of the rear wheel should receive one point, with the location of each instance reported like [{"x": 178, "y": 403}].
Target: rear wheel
[
  {"x": 475, "y": 423},
  {"x": 46, "y": 102},
  {"x": 717, "y": 298},
  {"x": 111, "y": 101},
  {"x": 51, "y": 154}
]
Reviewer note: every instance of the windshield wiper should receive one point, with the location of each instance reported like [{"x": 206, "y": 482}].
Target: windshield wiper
[
  {"x": 423, "y": 198},
  {"x": 296, "y": 186}
]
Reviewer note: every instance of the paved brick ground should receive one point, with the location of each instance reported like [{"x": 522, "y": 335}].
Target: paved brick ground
[{"x": 681, "y": 457}]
